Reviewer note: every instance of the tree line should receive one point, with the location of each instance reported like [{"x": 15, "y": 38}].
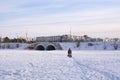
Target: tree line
[{"x": 15, "y": 40}]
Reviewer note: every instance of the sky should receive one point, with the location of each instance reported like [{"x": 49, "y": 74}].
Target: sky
[{"x": 95, "y": 18}]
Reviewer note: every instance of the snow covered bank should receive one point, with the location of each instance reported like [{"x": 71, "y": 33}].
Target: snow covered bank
[
  {"x": 65, "y": 45},
  {"x": 13, "y": 45},
  {"x": 55, "y": 65},
  {"x": 90, "y": 45}
]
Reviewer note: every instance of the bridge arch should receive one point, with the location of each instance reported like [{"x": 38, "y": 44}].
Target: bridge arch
[
  {"x": 40, "y": 47},
  {"x": 50, "y": 47}
]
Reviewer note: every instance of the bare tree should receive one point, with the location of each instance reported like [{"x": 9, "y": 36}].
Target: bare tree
[
  {"x": 115, "y": 46},
  {"x": 6, "y": 39},
  {"x": 104, "y": 46},
  {"x": 78, "y": 43}
]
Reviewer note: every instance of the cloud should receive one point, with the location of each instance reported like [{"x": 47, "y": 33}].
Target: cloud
[
  {"x": 47, "y": 17},
  {"x": 68, "y": 18}
]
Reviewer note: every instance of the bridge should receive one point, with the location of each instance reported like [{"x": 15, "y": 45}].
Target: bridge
[{"x": 47, "y": 46}]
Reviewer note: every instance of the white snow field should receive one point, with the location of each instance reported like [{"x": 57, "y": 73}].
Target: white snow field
[{"x": 55, "y": 65}]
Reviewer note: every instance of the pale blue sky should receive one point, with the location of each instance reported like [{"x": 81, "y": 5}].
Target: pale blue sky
[{"x": 96, "y": 18}]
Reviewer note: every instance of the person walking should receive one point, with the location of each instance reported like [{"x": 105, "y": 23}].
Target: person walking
[{"x": 69, "y": 53}]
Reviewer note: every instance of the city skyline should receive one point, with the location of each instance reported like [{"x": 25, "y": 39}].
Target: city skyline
[{"x": 57, "y": 17}]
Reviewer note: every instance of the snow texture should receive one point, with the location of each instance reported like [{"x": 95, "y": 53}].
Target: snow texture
[{"x": 55, "y": 65}]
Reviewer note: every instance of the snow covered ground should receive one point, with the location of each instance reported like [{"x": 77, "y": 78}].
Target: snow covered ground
[{"x": 55, "y": 65}]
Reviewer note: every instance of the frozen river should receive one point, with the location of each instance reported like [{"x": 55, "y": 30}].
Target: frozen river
[{"x": 55, "y": 65}]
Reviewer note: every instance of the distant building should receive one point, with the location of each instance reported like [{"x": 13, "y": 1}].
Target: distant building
[
  {"x": 112, "y": 39},
  {"x": 62, "y": 38},
  {"x": 67, "y": 38}
]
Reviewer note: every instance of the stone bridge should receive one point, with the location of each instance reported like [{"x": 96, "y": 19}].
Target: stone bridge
[{"x": 47, "y": 46}]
